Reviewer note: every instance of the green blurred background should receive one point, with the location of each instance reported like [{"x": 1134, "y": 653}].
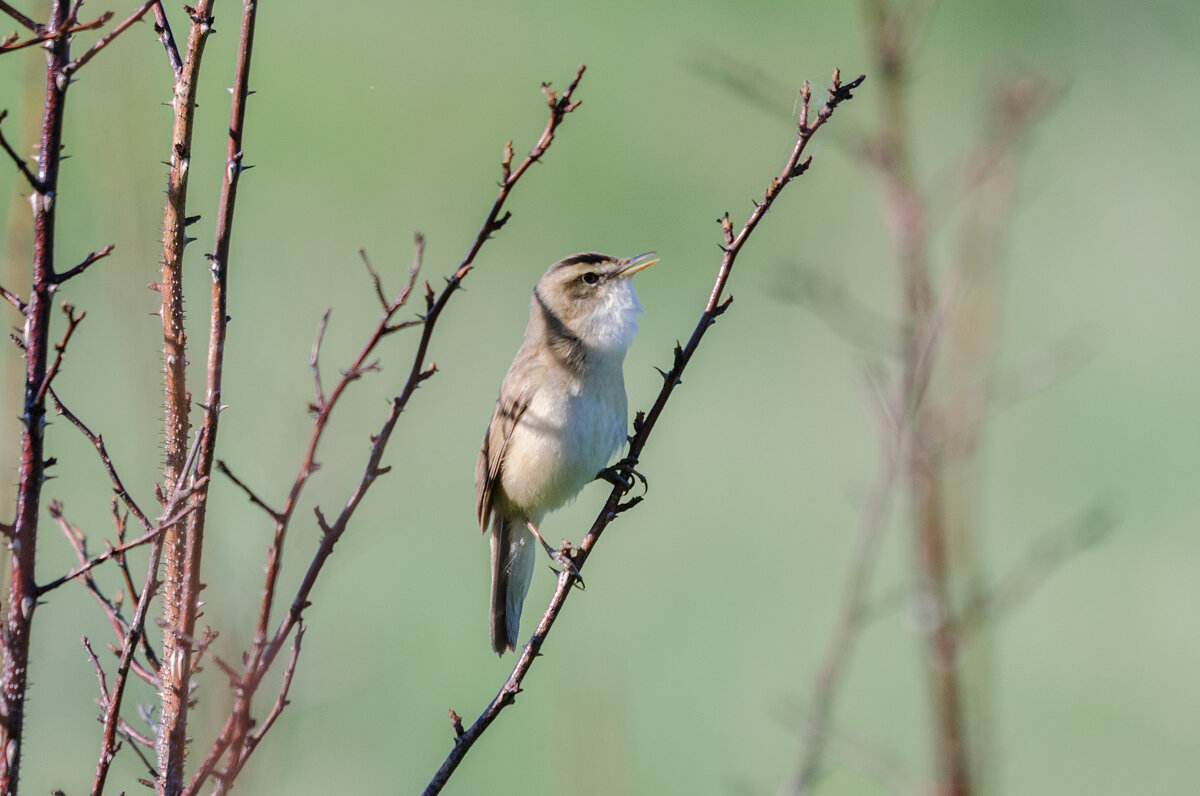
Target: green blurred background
[{"x": 685, "y": 666}]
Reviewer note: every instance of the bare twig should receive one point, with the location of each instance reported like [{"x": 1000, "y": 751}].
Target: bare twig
[
  {"x": 796, "y": 165},
  {"x": 137, "y": 741},
  {"x": 111, "y": 607},
  {"x": 281, "y": 701},
  {"x": 60, "y": 348},
  {"x": 83, "y": 266},
  {"x": 250, "y": 493},
  {"x": 87, "y": 646},
  {"x": 46, "y": 33},
  {"x": 181, "y": 511},
  {"x": 314, "y": 363},
  {"x": 163, "y": 28},
  {"x": 19, "y": 17},
  {"x": 13, "y": 299},
  {"x": 104, "y": 40},
  {"x": 98, "y": 443},
  {"x": 20, "y": 162}
]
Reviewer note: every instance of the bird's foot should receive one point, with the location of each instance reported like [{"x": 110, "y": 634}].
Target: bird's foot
[
  {"x": 623, "y": 475},
  {"x": 563, "y": 556}
]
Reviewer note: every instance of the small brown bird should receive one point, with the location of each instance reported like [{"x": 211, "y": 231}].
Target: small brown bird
[{"x": 560, "y": 417}]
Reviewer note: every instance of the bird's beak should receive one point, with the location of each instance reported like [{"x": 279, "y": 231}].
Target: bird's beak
[{"x": 639, "y": 263}]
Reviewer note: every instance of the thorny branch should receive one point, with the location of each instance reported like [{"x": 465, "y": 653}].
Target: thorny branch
[
  {"x": 236, "y": 742},
  {"x": 717, "y": 303},
  {"x": 177, "y": 399},
  {"x": 182, "y": 602},
  {"x": 34, "y": 342}
]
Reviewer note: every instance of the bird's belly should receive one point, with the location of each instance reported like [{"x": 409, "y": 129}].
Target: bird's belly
[{"x": 561, "y": 442}]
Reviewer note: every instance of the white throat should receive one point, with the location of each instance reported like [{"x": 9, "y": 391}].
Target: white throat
[{"x": 612, "y": 323}]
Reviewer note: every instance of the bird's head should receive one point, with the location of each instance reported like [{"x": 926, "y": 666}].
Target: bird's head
[{"x": 591, "y": 295}]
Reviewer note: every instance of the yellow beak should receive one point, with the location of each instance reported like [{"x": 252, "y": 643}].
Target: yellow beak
[{"x": 639, "y": 263}]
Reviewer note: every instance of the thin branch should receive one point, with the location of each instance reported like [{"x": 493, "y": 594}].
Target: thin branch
[
  {"x": 314, "y": 364},
  {"x": 375, "y": 281},
  {"x": 120, "y": 523},
  {"x": 163, "y": 28},
  {"x": 21, "y": 18},
  {"x": 796, "y": 164},
  {"x": 281, "y": 701},
  {"x": 137, "y": 741},
  {"x": 78, "y": 542},
  {"x": 250, "y": 493},
  {"x": 60, "y": 348},
  {"x": 46, "y": 34},
  {"x": 83, "y": 266},
  {"x": 111, "y": 552},
  {"x": 87, "y": 646},
  {"x": 98, "y": 443},
  {"x": 135, "y": 635},
  {"x": 20, "y": 162},
  {"x": 104, "y": 40},
  {"x": 138, "y": 738},
  {"x": 13, "y": 299}
]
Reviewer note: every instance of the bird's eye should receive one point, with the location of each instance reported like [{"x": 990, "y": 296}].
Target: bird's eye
[{"x": 590, "y": 278}]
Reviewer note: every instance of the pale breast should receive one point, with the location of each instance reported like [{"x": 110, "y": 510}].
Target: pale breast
[{"x": 563, "y": 439}]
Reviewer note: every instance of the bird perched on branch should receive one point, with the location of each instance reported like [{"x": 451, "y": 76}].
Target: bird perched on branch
[{"x": 560, "y": 417}]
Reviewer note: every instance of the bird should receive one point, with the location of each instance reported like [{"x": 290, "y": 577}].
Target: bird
[{"x": 560, "y": 417}]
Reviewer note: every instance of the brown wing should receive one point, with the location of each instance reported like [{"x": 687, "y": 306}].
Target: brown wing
[{"x": 491, "y": 454}]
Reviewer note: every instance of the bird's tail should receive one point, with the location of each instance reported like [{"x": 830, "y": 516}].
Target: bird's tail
[{"x": 512, "y": 570}]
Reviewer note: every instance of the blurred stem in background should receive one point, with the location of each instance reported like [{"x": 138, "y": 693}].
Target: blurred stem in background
[{"x": 930, "y": 416}]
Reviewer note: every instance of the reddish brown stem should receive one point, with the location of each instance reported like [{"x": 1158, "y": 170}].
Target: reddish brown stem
[
  {"x": 177, "y": 406},
  {"x": 22, "y": 589},
  {"x": 218, "y": 262}
]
